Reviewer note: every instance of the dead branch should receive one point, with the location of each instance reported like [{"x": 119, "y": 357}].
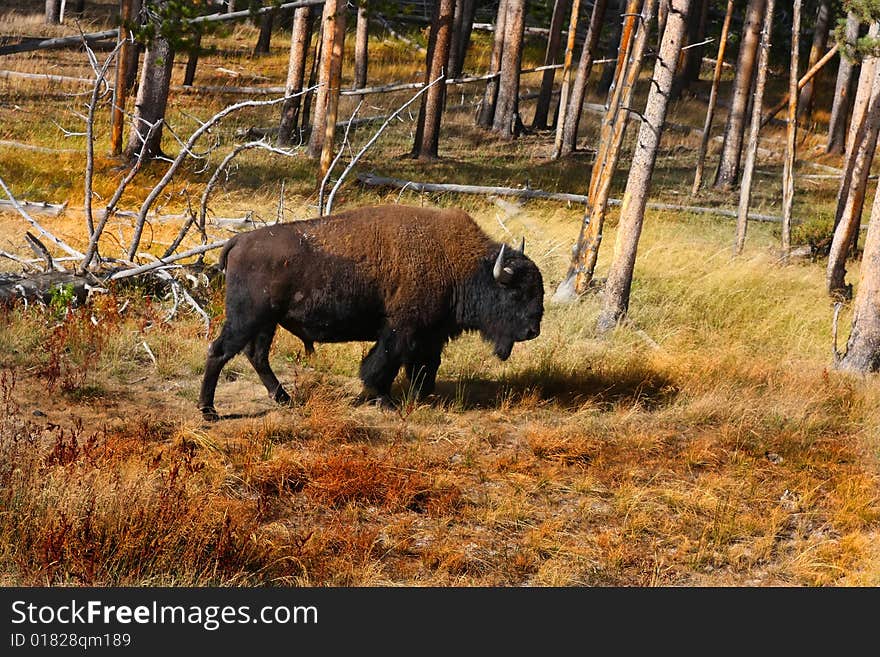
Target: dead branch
[
  {"x": 38, "y": 207},
  {"x": 44, "y": 77},
  {"x": 165, "y": 262},
  {"x": 42, "y": 231},
  {"x": 169, "y": 174},
  {"x": 40, "y": 249},
  {"x": 483, "y": 190},
  {"x": 335, "y": 160},
  {"x": 373, "y": 139}
]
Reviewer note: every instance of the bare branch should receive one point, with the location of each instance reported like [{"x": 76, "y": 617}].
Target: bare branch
[
  {"x": 165, "y": 262},
  {"x": 373, "y": 139},
  {"x": 42, "y": 231},
  {"x": 336, "y": 159}
]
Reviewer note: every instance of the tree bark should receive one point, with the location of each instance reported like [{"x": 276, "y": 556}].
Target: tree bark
[
  {"x": 490, "y": 96},
  {"x": 132, "y": 57},
  {"x": 851, "y": 195},
  {"x": 334, "y": 86},
  {"x": 300, "y": 38},
  {"x": 361, "y": 41},
  {"x": 863, "y": 91},
  {"x": 507, "y": 121},
  {"x": 329, "y": 19},
  {"x": 566, "y": 79},
  {"x": 862, "y": 354},
  {"x": 791, "y": 131},
  {"x": 152, "y": 98},
  {"x": 461, "y": 41},
  {"x": 689, "y": 69},
  {"x": 820, "y": 39},
  {"x": 615, "y": 298},
  {"x": 586, "y": 251},
  {"x": 731, "y": 149},
  {"x": 117, "y": 111},
  {"x": 53, "y": 12},
  {"x": 551, "y": 56},
  {"x": 842, "y": 102},
  {"x": 745, "y": 192},
  {"x": 309, "y": 98},
  {"x": 192, "y": 61},
  {"x": 713, "y": 99},
  {"x": 427, "y": 141},
  {"x": 582, "y": 77},
  {"x": 267, "y": 22}
]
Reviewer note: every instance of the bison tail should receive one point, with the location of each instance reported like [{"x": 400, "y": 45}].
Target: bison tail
[{"x": 225, "y": 252}]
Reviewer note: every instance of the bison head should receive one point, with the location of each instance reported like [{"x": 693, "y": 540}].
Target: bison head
[{"x": 512, "y": 302}]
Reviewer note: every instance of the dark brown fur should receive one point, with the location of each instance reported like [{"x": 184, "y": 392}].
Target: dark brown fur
[{"x": 409, "y": 278}]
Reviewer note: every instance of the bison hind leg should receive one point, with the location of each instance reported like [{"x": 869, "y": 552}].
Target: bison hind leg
[
  {"x": 257, "y": 352},
  {"x": 380, "y": 366}
]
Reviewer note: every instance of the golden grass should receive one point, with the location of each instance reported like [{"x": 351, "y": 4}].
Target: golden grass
[{"x": 710, "y": 442}]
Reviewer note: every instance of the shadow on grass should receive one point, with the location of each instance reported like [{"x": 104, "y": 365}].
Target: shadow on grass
[{"x": 568, "y": 390}]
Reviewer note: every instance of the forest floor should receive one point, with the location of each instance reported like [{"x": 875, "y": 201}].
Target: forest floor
[{"x": 710, "y": 442}]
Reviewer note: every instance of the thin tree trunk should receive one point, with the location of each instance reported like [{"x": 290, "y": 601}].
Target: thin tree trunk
[
  {"x": 428, "y": 131},
  {"x": 300, "y": 38},
  {"x": 615, "y": 298},
  {"x": 579, "y": 87},
  {"x": 507, "y": 121},
  {"x": 745, "y": 192},
  {"x": 117, "y": 112},
  {"x": 334, "y": 86},
  {"x": 851, "y": 197},
  {"x": 469, "y": 8},
  {"x": 566, "y": 79},
  {"x": 713, "y": 99},
  {"x": 862, "y": 354},
  {"x": 152, "y": 99},
  {"x": 551, "y": 56},
  {"x": 309, "y": 98},
  {"x": 609, "y": 70},
  {"x": 53, "y": 12},
  {"x": 328, "y": 33},
  {"x": 791, "y": 132},
  {"x": 192, "y": 61},
  {"x": 820, "y": 38},
  {"x": 361, "y": 40},
  {"x": 267, "y": 22},
  {"x": 616, "y": 119},
  {"x": 841, "y": 104},
  {"x": 863, "y": 91},
  {"x": 689, "y": 69},
  {"x": 133, "y": 54},
  {"x": 731, "y": 149},
  {"x": 490, "y": 96},
  {"x": 805, "y": 78}
]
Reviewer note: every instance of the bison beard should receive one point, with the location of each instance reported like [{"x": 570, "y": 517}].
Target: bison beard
[{"x": 409, "y": 278}]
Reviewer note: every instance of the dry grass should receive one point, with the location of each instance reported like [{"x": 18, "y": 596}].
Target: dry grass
[{"x": 711, "y": 443}]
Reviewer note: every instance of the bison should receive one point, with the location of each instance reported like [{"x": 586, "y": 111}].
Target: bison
[{"x": 408, "y": 278}]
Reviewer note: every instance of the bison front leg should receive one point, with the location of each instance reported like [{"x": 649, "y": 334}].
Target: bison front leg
[
  {"x": 421, "y": 367},
  {"x": 257, "y": 352},
  {"x": 380, "y": 366},
  {"x": 232, "y": 339}
]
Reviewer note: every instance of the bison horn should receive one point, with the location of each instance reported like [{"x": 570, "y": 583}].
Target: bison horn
[
  {"x": 499, "y": 261},
  {"x": 522, "y": 245}
]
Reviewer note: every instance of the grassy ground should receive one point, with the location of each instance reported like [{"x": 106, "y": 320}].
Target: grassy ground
[{"x": 710, "y": 443}]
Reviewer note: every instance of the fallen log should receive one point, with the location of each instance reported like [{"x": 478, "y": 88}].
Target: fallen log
[
  {"x": 36, "y": 207},
  {"x": 41, "y": 287},
  {"x": 526, "y": 192},
  {"x": 45, "y": 77},
  {"x": 58, "y": 42}
]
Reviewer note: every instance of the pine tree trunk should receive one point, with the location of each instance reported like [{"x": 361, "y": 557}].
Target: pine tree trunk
[
  {"x": 614, "y": 124},
  {"x": 334, "y": 86},
  {"x": 609, "y": 69},
  {"x": 551, "y": 56},
  {"x": 117, "y": 111},
  {"x": 731, "y": 149},
  {"x": 862, "y": 353},
  {"x": 490, "y": 97},
  {"x": 689, "y": 69},
  {"x": 192, "y": 61},
  {"x": 507, "y": 120},
  {"x": 842, "y": 102},
  {"x": 791, "y": 131},
  {"x": 565, "y": 86},
  {"x": 361, "y": 52},
  {"x": 582, "y": 77},
  {"x": 745, "y": 192},
  {"x": 133, "y": 53},
  {"x": 427, "y": 141},
  {"x": 328, "y": 32},
  {"x": 53, "y": 12},
  {"x": 267, "y": 21},
  {"x": 713, "y": 99},
  {"x": 300, "y": 39},
  {"x": 820, "y": 38},
  {"x": 152, "y": 99},
  {"x": 863, "y": 92},
  {"x": 851, "y": 195},
  {"x": 462, "y": 24},
  {"x": 309, "y": 98},
  {"x": 615, "y": 298}
]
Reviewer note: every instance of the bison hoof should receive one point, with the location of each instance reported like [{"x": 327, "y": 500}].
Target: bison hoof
[
  {"x": 282, "y": 398},
  {"x": 372, "y": 398},
  {"x": 210, "y": 414}
]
